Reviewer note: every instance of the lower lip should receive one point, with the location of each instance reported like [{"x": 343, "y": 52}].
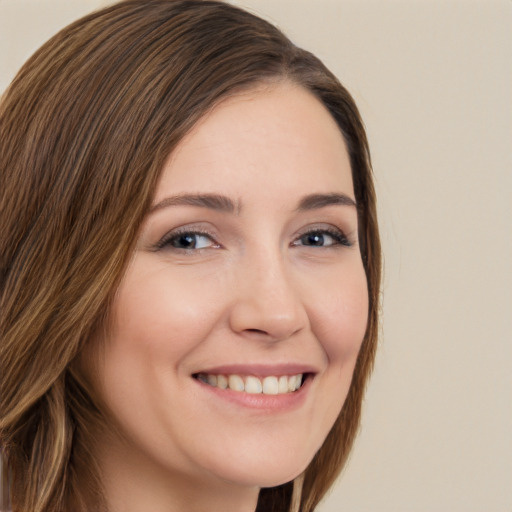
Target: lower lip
[{"x": 260, "y": 401}]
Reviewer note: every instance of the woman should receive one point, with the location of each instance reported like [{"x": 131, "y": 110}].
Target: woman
[{"x": 190, "y": 266}]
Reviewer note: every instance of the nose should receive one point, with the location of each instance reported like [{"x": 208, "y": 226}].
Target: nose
[{"x": 268, "y": 304}]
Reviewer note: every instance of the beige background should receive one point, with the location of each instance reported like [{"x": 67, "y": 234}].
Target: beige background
[{"x": 433, "y": 81}]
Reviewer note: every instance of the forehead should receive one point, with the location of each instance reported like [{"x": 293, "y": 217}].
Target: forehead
[{"x": 279, "y": 135}]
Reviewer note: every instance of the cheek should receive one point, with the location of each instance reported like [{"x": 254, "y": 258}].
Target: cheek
[
  {"x": 157, "y": 321},
  {"x": 339, "y": 315},
  {"x": 162, "y": 316},
  {"x": 338, "y": 312}
]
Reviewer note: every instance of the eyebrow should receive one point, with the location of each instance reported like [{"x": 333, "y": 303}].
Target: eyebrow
[
  {"x": 316, "y": 201},
  {"x": 210, "y": 201},
  {"x": 222, "y": 203}
]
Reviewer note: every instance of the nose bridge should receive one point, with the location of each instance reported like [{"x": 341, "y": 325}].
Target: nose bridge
[{"x": 268, "y": 301}]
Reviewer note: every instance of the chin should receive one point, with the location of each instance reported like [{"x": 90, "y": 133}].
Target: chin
[{"x": 271, "y": 471}]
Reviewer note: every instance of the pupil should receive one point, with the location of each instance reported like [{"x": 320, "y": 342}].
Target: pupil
[
  {"x": 186, "y": 241},
  {"x": 315, "y": 239}
]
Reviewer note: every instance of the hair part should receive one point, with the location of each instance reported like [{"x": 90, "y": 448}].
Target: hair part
[{"x": 85, "y": 129}]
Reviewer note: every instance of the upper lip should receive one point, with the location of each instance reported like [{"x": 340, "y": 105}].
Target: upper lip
[{"x": 260, "y": 370}]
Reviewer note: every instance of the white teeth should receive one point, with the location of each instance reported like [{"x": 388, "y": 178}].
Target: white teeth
[
  {"x": 270, "y": 385},
  {"x": 253, "y": 385},
  {"x": 222, "y": 382},
  {"x": 283, "y": 384},
  {"x": 292, "y": 382},
  {"x": 236, "y": 383}
]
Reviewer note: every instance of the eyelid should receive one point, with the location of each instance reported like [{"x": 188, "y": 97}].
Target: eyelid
[
  {"x": 340, "y": 237},
  {"x": 184, "y": 230}
]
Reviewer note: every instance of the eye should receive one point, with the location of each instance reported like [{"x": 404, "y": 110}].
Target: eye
[
  {"x": 322, "y": 238},
  {"x": 187, "y": 241}
]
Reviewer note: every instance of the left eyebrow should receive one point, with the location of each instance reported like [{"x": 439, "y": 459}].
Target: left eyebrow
[
  {"x": 315, "y": 201},
  {"x": 210, "y": 201}
]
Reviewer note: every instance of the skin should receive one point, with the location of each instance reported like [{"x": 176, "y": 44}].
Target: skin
[{"x": 252, "y": 289}]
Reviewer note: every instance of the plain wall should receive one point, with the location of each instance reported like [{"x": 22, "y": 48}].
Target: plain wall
[{"x": 433, "y": 80}]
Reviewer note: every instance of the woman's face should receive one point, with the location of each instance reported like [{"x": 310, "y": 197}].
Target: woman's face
[{"x": 246, "y": 281}]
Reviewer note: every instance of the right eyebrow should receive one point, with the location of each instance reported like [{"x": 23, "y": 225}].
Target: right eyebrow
[{"x": 211, "y": 201}]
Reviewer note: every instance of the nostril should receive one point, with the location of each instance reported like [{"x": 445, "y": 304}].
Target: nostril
[{"x": 264, "y": 320}]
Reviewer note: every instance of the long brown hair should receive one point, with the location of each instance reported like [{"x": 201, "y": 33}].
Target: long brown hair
[{"x": 85, "y": 128}]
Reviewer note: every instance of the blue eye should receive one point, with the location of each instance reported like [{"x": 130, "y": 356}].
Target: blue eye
[
  {"x": 187, "y": 240},
  {"x": 322, "y": 238}
]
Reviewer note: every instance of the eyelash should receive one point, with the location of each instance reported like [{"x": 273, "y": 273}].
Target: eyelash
[
  {"x": 340, "y": 239},
  {"x": 169, "y": 238},
  {"x": 337, "y": 235}
]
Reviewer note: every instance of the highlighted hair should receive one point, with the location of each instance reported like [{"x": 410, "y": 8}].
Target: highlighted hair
[{"x": 85, "y": 128}]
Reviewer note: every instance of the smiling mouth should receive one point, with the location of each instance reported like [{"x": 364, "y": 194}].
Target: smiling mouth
[{"x": 271, "y": 385}]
